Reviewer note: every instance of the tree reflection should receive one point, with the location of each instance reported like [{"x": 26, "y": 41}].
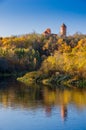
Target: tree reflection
[{"x": 17, "y": 95}]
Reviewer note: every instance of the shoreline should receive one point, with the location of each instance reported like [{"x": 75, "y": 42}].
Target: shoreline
[{"x": 60, "y": 80}]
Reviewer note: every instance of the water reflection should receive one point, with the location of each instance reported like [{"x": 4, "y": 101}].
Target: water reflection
[
  {"x": 64, "y": 112},
  {"x": 16, "y": 95}
]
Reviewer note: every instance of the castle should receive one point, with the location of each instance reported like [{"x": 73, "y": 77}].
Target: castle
[{"x": 63, "y": 31}]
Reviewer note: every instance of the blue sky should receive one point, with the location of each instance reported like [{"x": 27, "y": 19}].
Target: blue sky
[{"x": 26, "y": 16}]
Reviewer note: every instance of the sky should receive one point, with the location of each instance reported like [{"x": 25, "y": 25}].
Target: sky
[{"x": 19, "y": 17}]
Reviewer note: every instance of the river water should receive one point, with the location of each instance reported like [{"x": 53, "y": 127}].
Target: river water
[{"x": 41, "y": 108}]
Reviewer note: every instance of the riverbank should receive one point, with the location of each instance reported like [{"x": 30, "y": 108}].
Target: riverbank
[{"x": 37, "y": 77}]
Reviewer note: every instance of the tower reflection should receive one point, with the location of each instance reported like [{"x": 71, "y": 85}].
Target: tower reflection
[{"x": 64, "y": 112}]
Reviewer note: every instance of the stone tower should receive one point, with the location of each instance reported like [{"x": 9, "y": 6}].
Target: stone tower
[{"x": 63, "y": 30}]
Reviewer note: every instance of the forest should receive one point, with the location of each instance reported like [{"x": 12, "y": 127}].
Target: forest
[{"x": 34, "y": 58}]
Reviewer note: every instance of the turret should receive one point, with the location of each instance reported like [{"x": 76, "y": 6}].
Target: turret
[{"x": 63, "y": 30}]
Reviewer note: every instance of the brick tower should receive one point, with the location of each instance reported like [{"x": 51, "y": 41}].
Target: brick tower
[{"x": 63, "y": 30}]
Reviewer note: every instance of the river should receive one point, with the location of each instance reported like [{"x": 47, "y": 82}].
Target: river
[{"x": 41, "y": 108}]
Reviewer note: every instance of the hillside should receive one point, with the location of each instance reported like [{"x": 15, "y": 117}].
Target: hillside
[{"x": 55, "y": 59}]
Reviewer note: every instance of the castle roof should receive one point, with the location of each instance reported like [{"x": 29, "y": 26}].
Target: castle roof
[
  {"x": 47, "y": 31},
  {"x": 63, "y": 25}
]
